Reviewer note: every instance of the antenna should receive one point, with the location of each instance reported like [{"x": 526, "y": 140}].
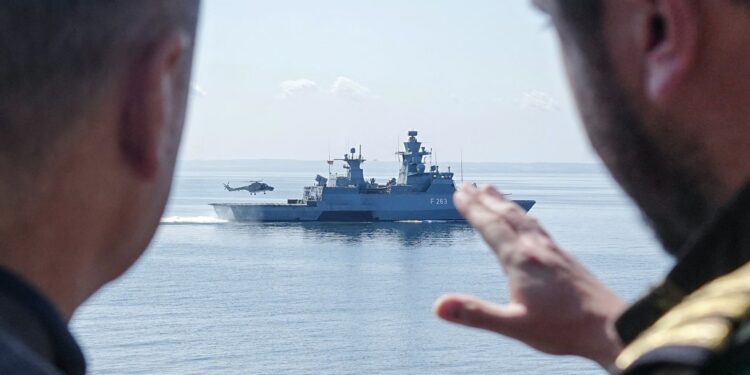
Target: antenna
[
  {"x": 360, "y": 152},
  {"x": 462, "y": 166},
  {"x": 398, "y": 148},
  {"x": 329, "y": 162}
]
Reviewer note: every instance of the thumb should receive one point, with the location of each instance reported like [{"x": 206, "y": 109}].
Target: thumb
[{"x": 477, "y": 313}]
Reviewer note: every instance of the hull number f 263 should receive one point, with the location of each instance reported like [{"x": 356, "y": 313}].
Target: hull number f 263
[{"x": 439, "y": 201}]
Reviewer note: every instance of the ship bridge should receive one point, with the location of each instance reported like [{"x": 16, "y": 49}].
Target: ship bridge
[{"x": 413, "y": 170}]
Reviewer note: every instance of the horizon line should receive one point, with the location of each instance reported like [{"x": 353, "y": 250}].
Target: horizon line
[{"x": 392, "y": 161}]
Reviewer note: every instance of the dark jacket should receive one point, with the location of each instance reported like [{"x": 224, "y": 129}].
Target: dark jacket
[{"x": 34, "y": 339}]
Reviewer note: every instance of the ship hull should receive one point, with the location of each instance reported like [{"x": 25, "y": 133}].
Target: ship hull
[{"x": 431, "y": 209}]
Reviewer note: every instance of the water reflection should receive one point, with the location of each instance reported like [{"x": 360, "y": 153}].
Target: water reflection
[{"x": 407, "y": 234}]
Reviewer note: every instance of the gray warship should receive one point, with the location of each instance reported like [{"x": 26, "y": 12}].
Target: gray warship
[{"x": 419, "y": 194}]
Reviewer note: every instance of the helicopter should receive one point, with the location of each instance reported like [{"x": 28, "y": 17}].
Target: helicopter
[{"x": 253, "y": 188}]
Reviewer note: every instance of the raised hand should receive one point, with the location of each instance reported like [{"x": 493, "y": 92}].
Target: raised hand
[{"x": 556, "y": 305}]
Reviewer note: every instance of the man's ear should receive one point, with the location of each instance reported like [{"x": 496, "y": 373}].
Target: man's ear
[
  {"x": 671, "y": 46},
  {"x": 152, "y": 95}
]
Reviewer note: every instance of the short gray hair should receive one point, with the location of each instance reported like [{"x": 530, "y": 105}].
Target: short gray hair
[{"x": 56, "y": 54}]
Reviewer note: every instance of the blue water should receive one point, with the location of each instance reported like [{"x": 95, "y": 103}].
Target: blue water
[{"x": 211, "y": 297}]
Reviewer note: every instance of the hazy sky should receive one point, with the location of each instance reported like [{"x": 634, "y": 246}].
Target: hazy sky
[{"x": 288, "y": 79}]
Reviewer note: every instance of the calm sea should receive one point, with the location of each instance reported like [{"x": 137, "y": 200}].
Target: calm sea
[{"x": 211, "y": 297}]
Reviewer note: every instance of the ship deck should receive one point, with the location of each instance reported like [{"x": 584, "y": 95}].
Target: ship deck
[{"x": 260, "y": 204}]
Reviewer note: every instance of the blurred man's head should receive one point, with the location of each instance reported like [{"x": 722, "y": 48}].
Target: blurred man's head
[
  {"x": 663, "y": 89},
  {"x": 92, "y": 104}
]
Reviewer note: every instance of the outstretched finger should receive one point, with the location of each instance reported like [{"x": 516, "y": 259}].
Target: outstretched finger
[
  {"x": 513, "y": 213},
  {"x": 497, "y": 203},
  {"x": 494, "y": 228},
  {"x": 474, "y": 312}
]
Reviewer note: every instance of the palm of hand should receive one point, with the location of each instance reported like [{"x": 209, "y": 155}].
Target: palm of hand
[{"x": 556, "y": 305}]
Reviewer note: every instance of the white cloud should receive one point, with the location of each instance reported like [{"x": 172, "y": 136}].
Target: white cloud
[
  {"x": 539, "y": 101},
  {"x": 344, "y": 87},
  {"x": 297, "y": 87}
]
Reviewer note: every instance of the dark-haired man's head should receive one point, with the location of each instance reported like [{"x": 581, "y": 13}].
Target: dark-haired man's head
[
  {"x": 92, "y": 104},
  {"x": 663, "y": 93}
]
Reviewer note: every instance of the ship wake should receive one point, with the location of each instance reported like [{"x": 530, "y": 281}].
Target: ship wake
[{"x": 191, "y": 220}]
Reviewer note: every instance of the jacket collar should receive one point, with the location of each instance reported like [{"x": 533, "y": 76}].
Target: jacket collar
[
  {"x": 720, "y": 247},
  {"x": 27, "y": 316}
]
